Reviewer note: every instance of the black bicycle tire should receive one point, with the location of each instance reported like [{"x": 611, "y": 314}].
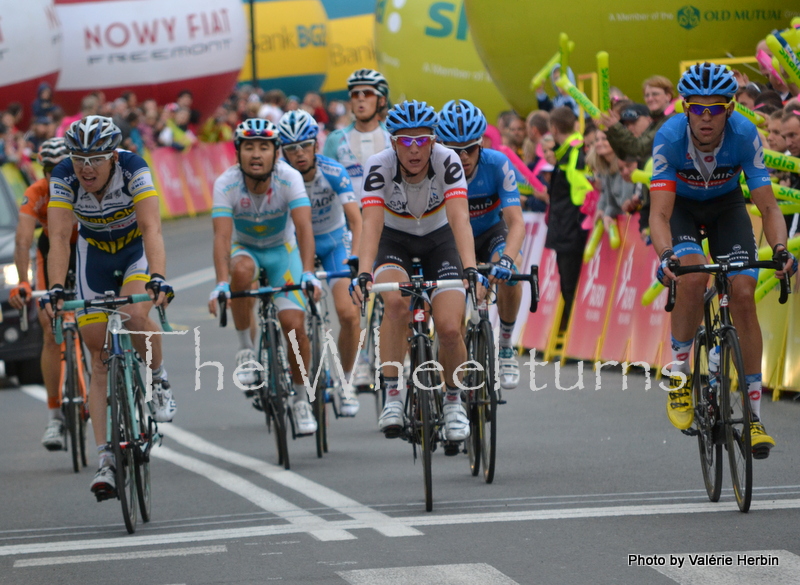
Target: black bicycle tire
[
  {"x": 318, "y": 405},
  {"x": 279, "y": 397},
  {"x": 87, "y": 380},
  {"x": 121, "y": 432},
  {"x": 71, "y": 407},
  {"x": 742, "y": 486},
  {"x": 487, "y": 405},
  {"x": 473, "y": 379},
  {"x": 142, "y": 460},
  {"x": 705, "y": 419},
  {"x": 420, "y": 353},
  {"x": 375, "y": 318}
]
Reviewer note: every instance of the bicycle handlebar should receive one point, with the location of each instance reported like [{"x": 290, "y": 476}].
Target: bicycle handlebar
[
  {"x": 532, "y": 279},
  {"x": 407, "y": 288},
  {"x": 725, "y": 267},
  {"x": 261, "y": 292}
]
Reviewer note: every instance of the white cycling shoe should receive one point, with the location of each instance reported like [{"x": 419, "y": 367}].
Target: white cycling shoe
[
  {"x": 164, "y": 405},
  {"x": 304, "y": 421},
  {"x": 456, "y": 422},
  {"x": 509, "y": 368},
  {"x": 392, "y": 419},
  {"x": 363, "y": 375},
  {"x": 54, "y": 435},
  {"x": 348, "y": 406},
  {"x": 246, "y": 378}
]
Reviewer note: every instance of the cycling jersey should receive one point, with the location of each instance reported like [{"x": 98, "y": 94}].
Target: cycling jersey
[
  {"x": 108, "y": 224},
  {"x": 675, "y": 167},
  {"x": 35, "y": 202},
  {"x": 416, "y": 209},
  {"x": 328, "y": 191},
  {"x": 260, "y": 221},
  {"x": 352, "y": 148},
  {"x": 492, "y": 187}
]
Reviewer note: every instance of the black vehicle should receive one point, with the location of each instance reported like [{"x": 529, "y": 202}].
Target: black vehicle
[{"x": 20, "y": 350}]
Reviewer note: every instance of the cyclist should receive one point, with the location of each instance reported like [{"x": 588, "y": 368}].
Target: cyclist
[
  {"x": 111, "y": 194},
  {"x": 33, "y": 210},
  {"x": 495, "y": 215},
  {"x": 333, "y": 208},
  {"x": 695, "y": 192},
  {"x": 415, "y": 205},
  {"x": 259, "y": 203}
]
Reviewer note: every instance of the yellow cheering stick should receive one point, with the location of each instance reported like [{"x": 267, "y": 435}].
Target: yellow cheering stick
[
  {"x": 564, "y": 44},
  {"x": 580, "y": 98},
  {"x": 786, "y": 193},
  {"x": 781, "y": 162},
  {"x": 640, "y": 176},
  {"x": 603, "y": 81},
  {"x": 786, "y": 207},
  {"x": 594, "y": 239},
  {"x": 545, "y": 71},
  {"x": 786, "y": 57},
  {"x": 765, "y": 253}
]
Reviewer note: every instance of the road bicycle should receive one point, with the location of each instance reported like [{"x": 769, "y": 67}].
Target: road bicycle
[
  {"x": 131, "y": 429},
  {"x": 720, "y": 399},
  {"x": 483, "y": 400}
]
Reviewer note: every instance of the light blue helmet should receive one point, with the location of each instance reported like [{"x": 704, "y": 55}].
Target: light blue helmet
[
  {"x": 460, "y": 121},
  {"x": 256, "y": 129},
  {"x": 411, "y": 114},
  {"x": 708, "y": 79},
  {"x": 297, "y": 126},
  {"x": 92, "y": 134}
]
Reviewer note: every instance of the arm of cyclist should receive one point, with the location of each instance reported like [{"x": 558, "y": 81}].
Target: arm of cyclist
[
  {"x": 457, "y": 211},
  {"x": 22, "y": 246},
  {"x": 148, "y": 217},
  {"x": 512, "y": 215},
  {"x": 353, "y": 215},
  {"x": 661, "y": 204},
  {"x": 59, "y": 227},
  {"x": 223, "y": 230},
  {"x": 301, "y": 216},
  {"x": 774, "y": 224},
  {"x": 372, "y": 228}
]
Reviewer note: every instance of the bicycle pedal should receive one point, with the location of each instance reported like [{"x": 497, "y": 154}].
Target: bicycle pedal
[
  {"x": 257, "y": 404},
  {"x": 451, "y": 448},
  {"x": 690, "y": 432},
  {"x": 392, "y": 432},
  {"x": 250, "y": 393},
  {"x": 105, "y": 494},
  {"x": 760, "y": 452},
  {"x": 501, "y": 402}
]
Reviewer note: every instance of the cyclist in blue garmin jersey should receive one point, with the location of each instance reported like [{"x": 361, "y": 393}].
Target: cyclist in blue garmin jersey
[
  {"x": 333, "y": 209},
  {"x": 695, "y": 192},
  {"x": 495, "y": 215},
  {"x": 259, "y": 205},
  {"x": 111, "y": 194}
]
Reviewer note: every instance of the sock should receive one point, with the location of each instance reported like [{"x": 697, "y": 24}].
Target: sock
[
  {"x": 506, "y": 329},
  {"x": 160, "y": 373},
  {"x": 680, "y": 353},
  {"x": 300, "y": 393},
  {"x": 754, "y": 392},
  {"x": 245, "y": 341},
  {"x": 392, "y": 391},
  {"x": 55, "y": 414},
  {"x": 105, "y": 455},
  {"x": 452, "y": 396}
]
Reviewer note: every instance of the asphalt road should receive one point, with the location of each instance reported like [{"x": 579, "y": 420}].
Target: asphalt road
[{"x": 592, "y": 486}]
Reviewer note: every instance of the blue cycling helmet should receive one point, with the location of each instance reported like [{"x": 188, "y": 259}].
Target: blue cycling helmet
[
  {"x": 92, "y": 134},
  {"x": 296, "y": 126},
  {"x": 460, "y": 121},
  {"x": 256, "y": 129},
  {"x": 411, "y": 114},
  {"x": 708, "y": 79}
]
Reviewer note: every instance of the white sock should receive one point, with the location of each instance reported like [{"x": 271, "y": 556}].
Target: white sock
[
  {"x": 452, "y": 396},
  {"x": 105, "y": 455},
  {"x": 506, "y": 330},
  {"x": 300, "y": 393},
  {"x": 55, "y": 414},
  {"x": 754, "y": 387},
  {"x": 392, "y": 391},
  {"x": 680, "y": 353},
  {"x": 245, "y": 341}
]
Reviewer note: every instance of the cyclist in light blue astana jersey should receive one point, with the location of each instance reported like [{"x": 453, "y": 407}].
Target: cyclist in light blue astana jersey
[
  {"x": 259, "y": 205},
  {"x": 333, "y": 209},
  {"x": 494, "y": 213},
  {"x": 367, "y": 135},
  {"x": 697, "y": 161}
]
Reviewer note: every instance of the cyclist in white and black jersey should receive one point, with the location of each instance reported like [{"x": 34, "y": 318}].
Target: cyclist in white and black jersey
[
  {"x": 333, "y": 209},
  {"x": 367, "y": 135},
  {"x": 415, "y": 205},
  {"x": 262, "y": 219}
]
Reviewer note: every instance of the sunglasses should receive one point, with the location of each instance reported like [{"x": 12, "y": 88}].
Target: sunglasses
[
  {"x": 94, "y": 161},
  {"x": 408, "y": 141},
  {"x": 298, "y": 146},
  {"x": 362, "y": 93},
  {"x": 469, "y": 149},
  {"x": 251, "y": 133},
  {"x": 701, "y": 109}
]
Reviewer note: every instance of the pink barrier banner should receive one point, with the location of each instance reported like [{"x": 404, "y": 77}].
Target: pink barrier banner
[
  {"x": 193, "y": 163},
  {"x": 627, "y": 292},
  {"x": 540, "y": 323},
  {"x": 167, "y": 173},
  {"x": 531, "y": 253},
  {"x": 589, "y": 310}
]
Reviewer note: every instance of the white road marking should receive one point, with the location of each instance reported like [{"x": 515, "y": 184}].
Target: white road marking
[
  {"x": 314, "y": 525},
  {"x": 192, "y": 279},
  {"x": 36, "y": 391},
  {"x": 786, "y": 572},
  {"x": 466, "y": 574},
  {"x": 381, "y": 522},
  {"x": 145, "y": 554},
  {"x": 426, "y": 520}
]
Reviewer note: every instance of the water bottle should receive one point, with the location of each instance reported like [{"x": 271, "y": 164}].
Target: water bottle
[{"x": 713, "y": 366}]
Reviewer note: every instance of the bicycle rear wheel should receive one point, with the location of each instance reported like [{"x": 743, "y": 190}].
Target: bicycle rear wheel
[
  {"x": 71, "y": 405},
  {"x": 122, "y": 443},
  {"x": 280, "y": 395},
  {"x": 314, "y": 326},
  {"x": 375, "y": 321},
  {"x": 84, "y": 373},
  {"x": 146, "y": 428},
  {"x": 473, "y": 380},
  {"x": 487, "y": 401},
  {"x": 736, "y": 417},
  {"x": 426, "y": 413},
  {"x": 706, "y": 416}
]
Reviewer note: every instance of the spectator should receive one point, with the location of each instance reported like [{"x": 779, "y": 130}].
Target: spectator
[
  {"x": 636, "y": 118},
  {"x": 149, "y": 127},
  {"x": 512, "y": 128},
  {"x": 562, "y": 98},
  {"x": 292, "y": 103},
  {"x": 640, "y": 201},
  {"x": 768, "y": 96},
  {"x": 186, "y": 100},
  {"x": 43, "y": 104},
  {"x": 41, "y": 130},
  {"x": 747, "y": 95},
  {"x": 316, "y": 105},
  {"x": 120, "y": 116},
  {"x": 176, "y": 132},
  {"x": 773, "y": 82},
  {"x": 131, "y": 98},
  {"x": 775, "y": 139},
  {"x": 537, "y": 127},
  {"x": 90, "y": 106},
  {"x": 272, "y": 108},
  {"x": 216, "y": 128},
  {"x": 790, "y": 130},
  {"x": 134, "y": 142},
  {"x": 614, "y": 190}
]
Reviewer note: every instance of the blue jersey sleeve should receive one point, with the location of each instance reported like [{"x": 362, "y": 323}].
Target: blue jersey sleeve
[
  {"x": 665, "y": 171},
  {"x": 755, "y": 171},
  {"x": 506, "y": 179},
  {"x": 338, "y": 178}
]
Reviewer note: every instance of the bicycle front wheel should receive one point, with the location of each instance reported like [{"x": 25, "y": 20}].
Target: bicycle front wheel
[
  {"x": 473, "y": 379},
  {"x": 376, "y": 316},
  {"x": 487, "y": 401},
  {"x": 736, "y": 417},
  {"x": 122, "y": 442},
  {"x": 706, "y": 415},
  {"x": 318, "y": 406},
  {"x": 279, "y": 396},
  {"x": 71, "y": 404},
  {"x": 426, "y": 413},
  {"x": 146, "y": 428}
]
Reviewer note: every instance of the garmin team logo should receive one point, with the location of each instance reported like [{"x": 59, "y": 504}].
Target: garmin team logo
[{"x": 689, "y": 17}]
